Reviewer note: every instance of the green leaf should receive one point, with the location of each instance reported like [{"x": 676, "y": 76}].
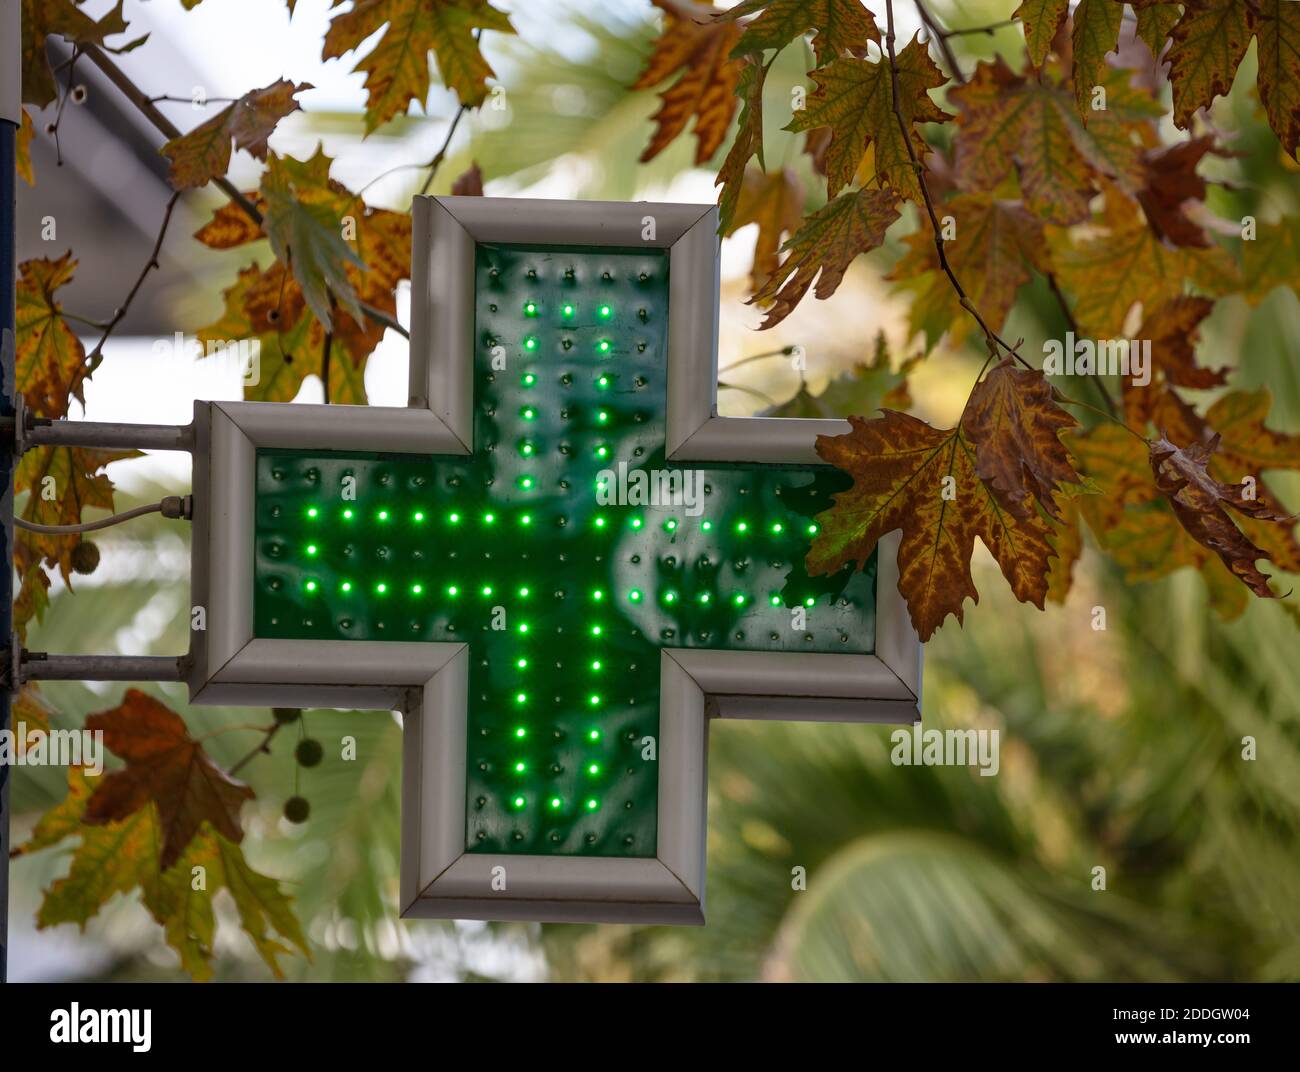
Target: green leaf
[
  {"x": 839, "y": 25},
  {"x": 1042, "y": 19},
  {"x": 1096, "y": 33},
  {"x": 304, "y": 221}
]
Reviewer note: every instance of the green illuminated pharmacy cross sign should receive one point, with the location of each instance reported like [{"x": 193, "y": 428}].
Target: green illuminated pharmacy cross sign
[{"x": 574, "y": 585}]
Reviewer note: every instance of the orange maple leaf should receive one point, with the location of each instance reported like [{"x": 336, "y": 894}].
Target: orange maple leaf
[
  {"x": 706, "y": 88},
  {"x": 165, "y": 765}
]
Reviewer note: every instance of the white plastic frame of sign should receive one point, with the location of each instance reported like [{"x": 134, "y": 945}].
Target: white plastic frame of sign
[{"x": 428, "y": 681}]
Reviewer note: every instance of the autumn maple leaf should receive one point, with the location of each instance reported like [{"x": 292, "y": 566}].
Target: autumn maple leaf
[
  {"x": 923, "y": 480},
  {"x": 165, "y": 766},
  {"x": 1031, "y": 125},
  {"x": 747, "y": 144},
  {"x": 1207, "y": 45},
  {"x": 706, "y": 87},
  {"x": 824, "y": 247},
  {"x": 48, "y": 356},
  {"x": 122, "y": 856},
  {"x": 204, "y": 153},
  {"x": 855, "y": 99},
  {"x": 42, "y": 19},
  {"x": 993, "y": 248},
  {"x": 774, "y": 201},
  {"x": 1198, "y": 501},
  {"x": 397, "y": 68},
  {"x": 1016, "y": 426},
  {"x": 839, "y": 25}
]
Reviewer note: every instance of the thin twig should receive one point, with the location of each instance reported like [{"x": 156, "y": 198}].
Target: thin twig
[
  {"x": 941, "y": 36},
  {"x": 785, "y": 351},
  {"x": 441, "y": 154},
  {"x": 96, "y": 355},
  {"x": 167, "y": 98},
  {"x": 1073, "y": 327},
  {"x": 990, "y": 28},
  {"x": 917, "y": 167},
  {"x": 262, "y": 746},
  {"x": 161, "y": 123},
  {"x": 169, "y": 130}
]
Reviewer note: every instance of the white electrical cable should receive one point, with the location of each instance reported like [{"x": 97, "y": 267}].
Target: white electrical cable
[{"x": 165, "y": 507}]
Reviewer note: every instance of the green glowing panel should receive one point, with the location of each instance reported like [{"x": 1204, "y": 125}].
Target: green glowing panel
[{"x": 564, "y": 590}]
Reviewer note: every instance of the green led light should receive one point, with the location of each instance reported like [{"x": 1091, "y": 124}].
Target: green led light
[
  {"x": 705, "y": 526},
  {"x": 311, "y": 548},
  {"x": 602, "y": 451},
  {"x": 418, "y": 516},
  {"x": 523, "y": 592},
  {"x": 603, "y": 346},
  {"x": 567, "y": 310},
  {"x": 454, "y": 518},
  {"x": 555, "y": 802},
  {"x": 593, "y": 735},
  {"x": 593, "y": 804},
  {"x": 346, "y": 586},
  {"x": 603, "y": 382},
  {"x": 606, "y": 312},
  {"x": 528, "y": 413},
  {"x": 705, "y": 597},
  {"x": 417, "y": 589},
  {"x": 774, "y": 599},
  {"x": 525, "y": 448},
  {"x": 312, "y": 511},
  {"x": 487, "y": 589},
  {"x": 594, "y": 769},
  {"x": 521, "y": 663},
  {"x": 452, "y": 590},
  {"x": 520, "y": 767},
  {"x": 809, "y": 601},
  {"x": 670, "y": 597},
  {"x": 519, "y": 802},
  {"x": 634, "y": 596},
  {"x": 310, "y": 586},
  {"x": 489, "y": 518},
  {"x": 738, "y": 599},
  {"x": 530, "y": 309},
  {"x": 595, "y": 630},
  {"x": 529, "y": 379},
  {"x": 636, "y": 522},
  {"x": 383, "y": 515},
  {"x": 742, "y": 526},
  {"x": 812, "y": 530},
  {"x": 597, "y": 594},
  {"x": 670, "y": 525},
  {"x": 777, "y": 527},
  {"x": 594, "y": 700},
  {"x": 525, "y": 482},
  {"x": 602, "y": 416},
  {"x": 381, "y": 588},
  {"x": 521, "y": 697},
  {"x": 526, "y": 519},
  {"x": 523, "y": 627},
  {"x": 600, "y": 522},
  {"x": 347, "y": 515},
  {"x": 530, "y": 343},
  {"x": 595, "y": 664},
  {"x": 520, "y": 731}
]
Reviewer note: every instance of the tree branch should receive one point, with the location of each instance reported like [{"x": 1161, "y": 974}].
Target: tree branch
[
  {"x": 992, "y": 336},
  {"x": 169, "y": 130},
  {"x": 441, "y": 154},
  {"x": 1073, "y": 327},
  {"x": 940, "y": 36},
  {"x": 96, "y": 355}
]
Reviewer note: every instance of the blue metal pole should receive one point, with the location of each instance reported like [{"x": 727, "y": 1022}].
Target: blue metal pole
[{"x": 10, "y": 117}]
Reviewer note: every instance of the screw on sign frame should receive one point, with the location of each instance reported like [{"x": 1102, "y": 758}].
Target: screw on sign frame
[{"x": 484, "y": 561}]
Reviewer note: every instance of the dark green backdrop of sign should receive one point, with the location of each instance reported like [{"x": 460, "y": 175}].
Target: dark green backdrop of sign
[{"x": 556, "y": 564}]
